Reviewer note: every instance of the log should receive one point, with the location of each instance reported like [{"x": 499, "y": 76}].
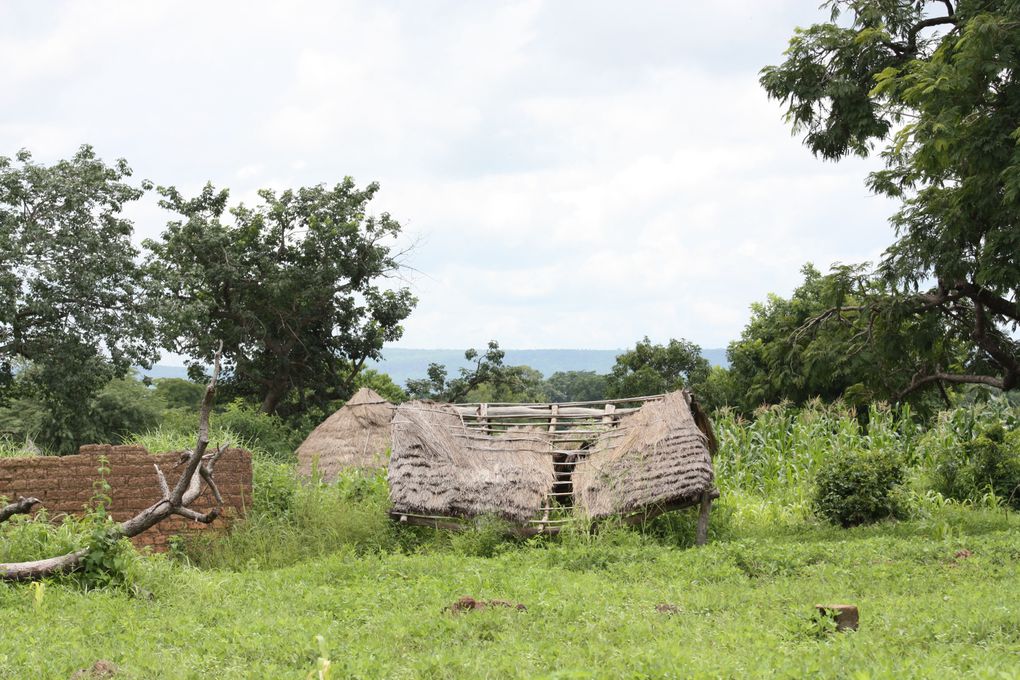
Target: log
[{"x": 22, "y": 506}]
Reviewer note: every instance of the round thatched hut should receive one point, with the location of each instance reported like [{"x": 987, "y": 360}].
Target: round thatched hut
[{"x": 356, "y": 436}]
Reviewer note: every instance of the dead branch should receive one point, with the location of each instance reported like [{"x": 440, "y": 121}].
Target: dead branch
[
  {"x": 198, "y": 469},
  {"x": 20, "y": 507}
]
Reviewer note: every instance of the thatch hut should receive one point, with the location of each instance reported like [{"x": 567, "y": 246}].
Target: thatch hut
[
  {"x": 442, "y": 468},
  {"x": 534, "y": 463},
  {"x": 356, "y": 436},
  {"x": 655, "y": 459}
]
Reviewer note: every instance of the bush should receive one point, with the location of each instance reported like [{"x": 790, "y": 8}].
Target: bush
[
  {"x": 990, "y": 462},
  {"x": 860, "y": 486}
]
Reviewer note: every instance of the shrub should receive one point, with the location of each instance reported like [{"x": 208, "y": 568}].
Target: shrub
[
  {"x": 268, "y": 432},
  {"x": 860, "y": 486},
  {"x": 990, "y": 462}
]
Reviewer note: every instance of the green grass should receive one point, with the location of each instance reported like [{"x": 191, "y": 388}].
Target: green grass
[
  {"x": 937, "y": 593},
  {"x": 745, "y": 610}
]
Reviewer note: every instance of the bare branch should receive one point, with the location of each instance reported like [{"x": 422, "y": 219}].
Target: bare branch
[
  {"x": 163, "y": 487},
  {"x": 20, "y": 507}
]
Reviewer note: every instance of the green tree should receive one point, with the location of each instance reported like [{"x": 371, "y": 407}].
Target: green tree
[
  {"x": 179, "y": 393},
  {"x": 488, "y": 379},
  {"x": 577, "y": 386},
  {"x": 70, "y": 301},
  {"x": 655, "y": 369},
  {"x": 939, "y": 84},
  {"x": 293, "y": 287},
  {"x": 811, "y": 346}
]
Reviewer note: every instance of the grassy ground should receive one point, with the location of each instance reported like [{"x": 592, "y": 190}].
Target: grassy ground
[
  {"x": 928, "y": 609},
  {"x": 938, "y": 594}
]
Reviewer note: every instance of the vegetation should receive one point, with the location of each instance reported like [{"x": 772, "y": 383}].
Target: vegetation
[
  {"x": 936, "y": 81},
  {"x": 290, "y": 287},
  {"x": 843, "y": 478},
  {"x": 656, "y": 369},
  {"x": 70, "y": 301},
  {"x": 316, "y": 559}
]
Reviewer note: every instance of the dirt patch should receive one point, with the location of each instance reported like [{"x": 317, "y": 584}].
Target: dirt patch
[
  {"x": 98, "y": 671},
  {"x": 467, "y": 604},
  {"x": 667, "y": 609}
]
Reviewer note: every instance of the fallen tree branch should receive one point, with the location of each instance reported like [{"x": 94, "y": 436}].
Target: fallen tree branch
[
  {"x": 198, "y": 469},
  {"x": 20, "y": 507}
]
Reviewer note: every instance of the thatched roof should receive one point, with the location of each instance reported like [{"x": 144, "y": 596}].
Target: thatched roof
[
  {"x": 447, "y": 462},
  {"x": 356, "y": 436},
  {"x": 440, "y": 468},
  {"x": 655, "y": 456}
]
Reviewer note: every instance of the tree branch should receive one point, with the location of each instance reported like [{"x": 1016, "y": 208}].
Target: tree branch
[
  {"x": 923, "y": 24},
  {"x": 958, "y": 378},
  {"x": 20, "y": 507}
]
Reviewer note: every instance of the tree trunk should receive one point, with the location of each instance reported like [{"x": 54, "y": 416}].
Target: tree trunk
[{"x": 274, "y": 395}]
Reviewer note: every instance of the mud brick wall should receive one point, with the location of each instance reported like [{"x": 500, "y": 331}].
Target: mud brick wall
[{"x": 65, "y": 486}]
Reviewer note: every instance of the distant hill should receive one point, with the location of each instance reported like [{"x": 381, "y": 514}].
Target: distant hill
[{"x": 402, "y": 364}]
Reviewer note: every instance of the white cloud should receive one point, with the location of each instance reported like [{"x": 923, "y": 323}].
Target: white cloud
[{"x": 578, "y": 174}]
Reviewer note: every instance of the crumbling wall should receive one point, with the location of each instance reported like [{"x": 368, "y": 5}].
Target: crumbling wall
[{"x": 65, "y": 486}]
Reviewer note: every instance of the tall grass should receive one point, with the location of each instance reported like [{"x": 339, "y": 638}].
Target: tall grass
[
  {"x": 780, "y": 451},
  {"x": 766, "y": 469},
  {"x": 11, "y": 448},
  {"x": 291, "y": 521}
]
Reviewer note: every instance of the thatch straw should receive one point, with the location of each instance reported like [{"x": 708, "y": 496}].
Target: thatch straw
[
  {"x": 658, "y": 456},
  {"x": 439, "y": 467},
  {"x": 356, "y": 436}
]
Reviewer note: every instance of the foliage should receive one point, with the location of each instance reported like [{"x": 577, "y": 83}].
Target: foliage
[
  {"x": 860, "y": 486},
  {"x": 265, "y": 431},
  {"x": 783, "y": 449},
  {"x": 488, "y": 380},
  {"x": 69, "y": 285},
  {"x": 936, "y": 80},
  {"x": 656, "y": 369},
  {"x": 790, "y": 352},
  {"x": 292, "y": 287},
  {"x": 720, "y": 389},
  {"x": 987, "y": 462},
  {"x": 179, "y": 393},
  {"x": 576, "y": 386},
  {"x": 382, "y": 384},
  {"x": 290, "y": 522},
  {"x": 121, "y": 406}
]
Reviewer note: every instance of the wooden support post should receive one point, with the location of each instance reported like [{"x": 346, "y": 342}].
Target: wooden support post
[
  {"x": 483, "y": 413},
  {"x": 607, "y": 419},
  {"x": 553, "y": 410},
  {"x": 706, "y": 504}
]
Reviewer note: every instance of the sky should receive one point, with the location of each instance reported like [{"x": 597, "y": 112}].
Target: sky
[{"x": 569, "y": 174}]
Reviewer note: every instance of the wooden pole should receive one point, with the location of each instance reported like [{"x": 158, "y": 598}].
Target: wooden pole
[
  {"x": 608, "y": 417},
  {"x": 706, "y": 504}
]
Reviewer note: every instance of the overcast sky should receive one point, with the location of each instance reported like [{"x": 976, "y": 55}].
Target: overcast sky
[{"x": 573, "y": 174}]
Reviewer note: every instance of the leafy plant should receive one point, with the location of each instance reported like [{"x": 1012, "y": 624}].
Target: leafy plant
[
  {"x": 987, "y": 464},
  {"x": 860, "y": 486}
]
